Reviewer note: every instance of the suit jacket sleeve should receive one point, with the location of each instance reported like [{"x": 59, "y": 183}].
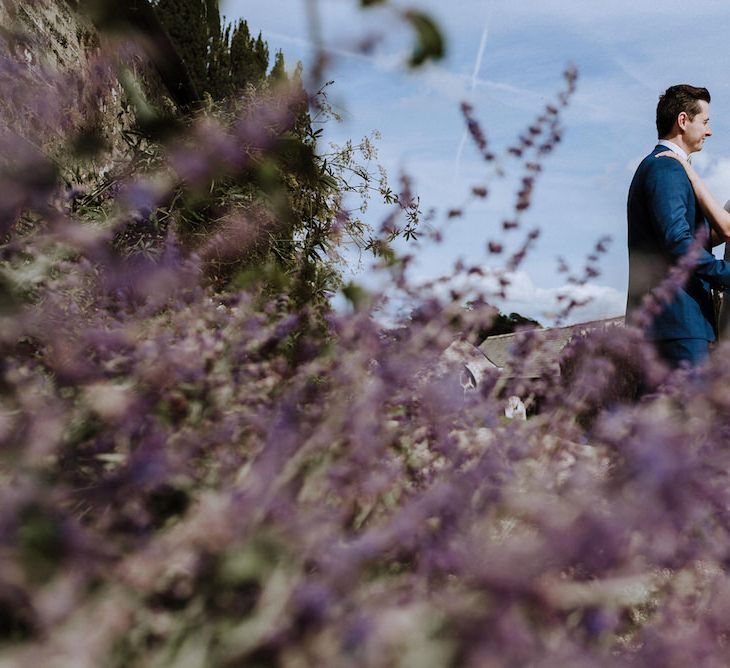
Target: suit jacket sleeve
[{"x": 669, "y": 193}]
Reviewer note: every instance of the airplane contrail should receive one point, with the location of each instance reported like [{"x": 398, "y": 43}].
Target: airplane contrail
[
  {"x": 474, "y": 80},
  {"x": 480, "y": 57}
]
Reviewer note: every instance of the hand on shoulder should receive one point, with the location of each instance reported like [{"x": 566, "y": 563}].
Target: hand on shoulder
[
  {"x": 677, "y": 164},
  {"x": 671, "y": 154}
]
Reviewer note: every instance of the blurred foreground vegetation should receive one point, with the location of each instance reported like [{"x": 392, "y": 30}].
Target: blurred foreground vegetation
[{"x": 202, "y": 464}]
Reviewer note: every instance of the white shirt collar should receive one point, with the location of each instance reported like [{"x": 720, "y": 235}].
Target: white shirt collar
[{"x": 673, "y": 147}]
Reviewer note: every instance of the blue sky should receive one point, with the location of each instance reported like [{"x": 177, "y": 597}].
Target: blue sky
[{"x": 626, "y": 53}]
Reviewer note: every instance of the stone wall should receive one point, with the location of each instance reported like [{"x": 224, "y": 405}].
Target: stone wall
[
  {"x": 55, "y": 44},
  {"x": 59, "y": 35}
]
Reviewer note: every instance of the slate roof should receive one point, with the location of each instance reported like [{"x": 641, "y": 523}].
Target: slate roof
[
  {"x": 503, "y": 350},
  {"x": 465, "y": 357}
]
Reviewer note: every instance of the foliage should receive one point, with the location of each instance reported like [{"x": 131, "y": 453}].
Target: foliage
[
  {"x": 502, "y": 323},
  {"x": 221, "y": 60},
  {"x": 199, "y": 477},
  {"x": 293, "y": 194},
  {"x": 189, "y": 27},
  {"x": 271, "y": 208},
  {"x": 429, "y": 45}
]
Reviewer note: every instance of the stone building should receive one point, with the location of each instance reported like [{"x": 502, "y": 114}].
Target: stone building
[
  {"x": 502, "y": 358},
  {"x": 546, "y": 345}
]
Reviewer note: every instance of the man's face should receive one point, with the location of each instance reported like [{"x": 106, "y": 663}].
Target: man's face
[{"x": 697, "y": 129}]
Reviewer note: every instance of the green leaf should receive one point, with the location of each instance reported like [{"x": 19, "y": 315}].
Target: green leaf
[
  {"x": 144, "y": 111},
  {"x": 328, "y": 181},
  {"x": 357, "y": 296},
  {"x": 430, "y": 44}
]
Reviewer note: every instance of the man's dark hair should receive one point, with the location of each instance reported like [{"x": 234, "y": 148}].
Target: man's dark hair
[{"x": 675, "y": 100}]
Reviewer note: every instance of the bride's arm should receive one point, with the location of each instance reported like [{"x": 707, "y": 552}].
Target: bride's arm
[{"x": 719, "y": 218}]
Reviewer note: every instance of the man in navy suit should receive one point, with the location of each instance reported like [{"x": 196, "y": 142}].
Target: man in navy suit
[{"x": 664, "y": 217}]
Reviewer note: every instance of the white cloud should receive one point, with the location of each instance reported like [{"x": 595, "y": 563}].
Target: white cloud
[
  {"x": 526, "y": 298},
  {"x": 540, "y": 303},
  {"x": 716, "y": 175}
]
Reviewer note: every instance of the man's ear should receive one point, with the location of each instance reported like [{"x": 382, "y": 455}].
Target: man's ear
[{"x": 682, "y": 120}]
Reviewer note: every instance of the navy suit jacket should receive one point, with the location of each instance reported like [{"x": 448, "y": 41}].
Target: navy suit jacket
[{"x": 663, "y": 217}]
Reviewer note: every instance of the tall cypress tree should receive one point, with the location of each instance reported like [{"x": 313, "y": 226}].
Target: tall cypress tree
[
  {"x": 242, "y": 67},
  {"x": 219, "y": 65},
  {"x": 187, "y": 24},
  {"x": 249, "y": 58},
  {"x": 213, "y": 14},
  {"x": 278, "y": 73},
  {"x": 261, "y": 58},
  {"x": 221, "y": 61}
]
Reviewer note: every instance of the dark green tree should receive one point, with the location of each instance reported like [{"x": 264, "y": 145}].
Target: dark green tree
[
  {"x": 507, "y": 324},
  {"x": 249, "y": 57},
  {"x": 220, "y": 85},
  {"x": 214, "y": 18},
  {"x": 221, "y": 60},
  {"x": 294, "y": 193},
  {"x": 186, "y": 21},
  {"x": 278, "y": 73},
  {"x": 261, "y": 57}
]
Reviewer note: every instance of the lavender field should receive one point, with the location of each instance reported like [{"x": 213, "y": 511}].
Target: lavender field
[{"x": 202, "y": 463}]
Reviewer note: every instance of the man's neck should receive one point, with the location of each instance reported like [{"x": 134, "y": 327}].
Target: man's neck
[{"x": 678, "y": 142}]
